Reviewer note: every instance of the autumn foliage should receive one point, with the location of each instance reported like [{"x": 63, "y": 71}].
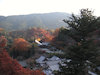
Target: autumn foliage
[
  {"x": 33, "y": 33},
  {"x": 21, "y": 44},
  {"x": 22, "y": 48},
  {"x": 1, "y": 29},
  {"x": 2, "y": 41},
  {"x": 9, "y": 66},
  {"x": 40, "y": 33}
]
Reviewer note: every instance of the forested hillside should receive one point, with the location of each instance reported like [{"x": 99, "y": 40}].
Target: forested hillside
[{"x": 47, "y": 21}]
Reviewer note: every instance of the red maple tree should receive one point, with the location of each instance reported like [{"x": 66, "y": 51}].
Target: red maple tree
[{"x": 9, "y": 66}]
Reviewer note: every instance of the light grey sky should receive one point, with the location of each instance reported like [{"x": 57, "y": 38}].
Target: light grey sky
[{"x": 20, "y": 7}]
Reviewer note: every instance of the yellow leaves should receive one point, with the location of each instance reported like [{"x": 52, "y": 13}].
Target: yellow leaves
[{"x": 38, "y": 39}]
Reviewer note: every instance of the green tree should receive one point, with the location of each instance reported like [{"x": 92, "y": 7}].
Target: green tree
[{"x": 83, "y": 50}]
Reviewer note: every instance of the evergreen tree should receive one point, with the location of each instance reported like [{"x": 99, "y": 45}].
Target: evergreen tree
[{"x": 84, "y": 50}]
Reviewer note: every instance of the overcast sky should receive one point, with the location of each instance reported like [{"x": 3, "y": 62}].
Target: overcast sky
[{"x": 20, "y": 7}]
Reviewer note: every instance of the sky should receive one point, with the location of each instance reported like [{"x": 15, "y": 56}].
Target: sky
[{"x": 22, "y": 7}]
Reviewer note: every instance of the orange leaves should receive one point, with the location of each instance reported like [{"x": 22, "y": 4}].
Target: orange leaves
[
  {"x": 41, "y": 33},
  {"x": 1, "y": 29},
  {"x": 33, "y": 33},
  {"x": 45, "y": 35},
  {"x": 48, "y": 38},
  {"x": 21, "y": 44},
  {"x": 9, "y": 66}
]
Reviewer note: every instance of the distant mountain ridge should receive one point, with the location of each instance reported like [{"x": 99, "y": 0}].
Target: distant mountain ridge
[{"x": 46, "y": 20}]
